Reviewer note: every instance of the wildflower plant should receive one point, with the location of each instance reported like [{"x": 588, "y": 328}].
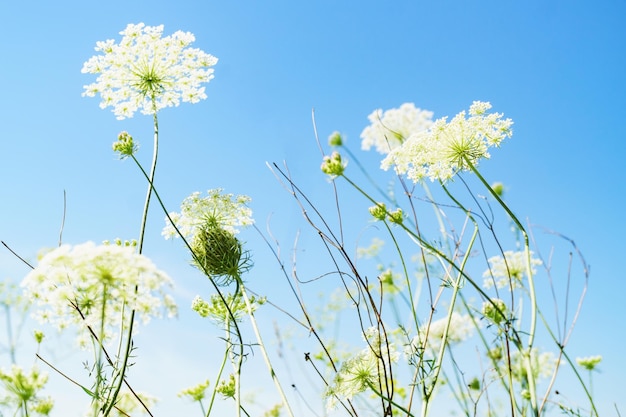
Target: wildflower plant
[
  {"x": 439, "y": 303},
  {"x": 146, "y": 71},
  {"x": 426, "y": 296}
]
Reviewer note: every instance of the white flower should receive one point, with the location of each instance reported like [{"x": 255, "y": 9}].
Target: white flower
[
  {"x": 362, "y": 370},
  {"x": 391, "y": 128},
  {"x": 148, "y": 72},
  {"x": 508, "y": 271},
  {"x": 229, "y": 211},
  {"x": 543, "y": 364},
  {"x": 461, "y": 328},
  {"x": 446, "y": 147},
  {"x": 84, "y": 284}
]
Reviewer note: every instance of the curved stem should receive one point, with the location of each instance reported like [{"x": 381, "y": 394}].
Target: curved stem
[{"x": 142, "y": 230}]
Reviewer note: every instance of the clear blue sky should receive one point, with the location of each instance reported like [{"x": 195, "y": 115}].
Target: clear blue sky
[{"x": 557, "y": 68}]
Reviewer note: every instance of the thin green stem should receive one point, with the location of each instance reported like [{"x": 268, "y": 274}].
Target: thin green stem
[
  {"x": 531, "y": 291},
  {"x": 142, "y": 230},
  {"x": 455, "y": 291},
  {"x": 263, "y": 350}
]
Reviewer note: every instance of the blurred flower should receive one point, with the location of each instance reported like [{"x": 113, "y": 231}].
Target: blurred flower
[
  {"x": 84, "y": 284},
  {"x": 335, "y": 139},
  {"x": 495, "y": 310},
  {"x": 217, "y": 311},
  {"x": 461, "y": 328},
  {"x": 543, "y": 364},
  {"x": 226, "y": 210},
  {"x": 197, "y": 392},
  {"x": 446, "y": 147},
  {"x": 148, "y": 72},
  {"x": 228, "y": 387},
  {"x": 509, "y": 270},
  {"x": 391, "y": 128},
  {"x": 127, "y": 404},
  {"x": 373, "y": 250},
  {"x": 589, "y": 362},
  {"x": 21, "y": 389}
]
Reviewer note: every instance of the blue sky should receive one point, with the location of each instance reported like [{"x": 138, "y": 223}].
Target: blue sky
[{"x": 556, "y": 68}]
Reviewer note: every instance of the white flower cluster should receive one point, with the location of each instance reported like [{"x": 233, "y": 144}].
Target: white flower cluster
[
  {"x": 461, "y": 328},
  {"x": 148, "y": 72},
  {"x": 446, "y": 147},
  {"x": 84, "y": 284},
  {"x": 543, "y": 364},
  {"x": 228, "y": 210},
  {"x": 508, "y": 271},
  {"x": 362, "y": 370},
  {"x": 391, "y": 128}
]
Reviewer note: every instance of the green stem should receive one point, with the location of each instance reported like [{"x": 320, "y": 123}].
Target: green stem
[
  {"x": 531, "y": 290},
  {"x": 444, "y": 341},
  {"x": 144, "y": 219},
  {"x": 217, "y": 380},
  {"x": 263, "y": 350}
]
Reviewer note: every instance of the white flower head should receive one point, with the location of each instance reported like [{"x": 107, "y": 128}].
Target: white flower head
[
  {"x": 389, "y": 129},
  {"x": 446, "y": 147},
  {"x": 362, "y": 370},
  {"x": 229, "y": 211},
  {"x": 461, "y": 328},
  {"x": 84, "y": 284},
  {"x": 543, "y": 364},
  {"x": 508, "y": 271},
  {"x": 148, "y": 72}
]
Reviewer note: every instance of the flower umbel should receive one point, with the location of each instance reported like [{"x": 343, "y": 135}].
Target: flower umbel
[
  {"x": 449, "y": 147},
  {"x": 391, "y": 128},
  {"x": 508, "y": 271},
  {"x": 148, "y": 72},
  {"x": 229, "y": 211},
  {"x": 22, "y": 389},
  {"x": 589, "y": 362},
  {"x": 80, "y": 285}
]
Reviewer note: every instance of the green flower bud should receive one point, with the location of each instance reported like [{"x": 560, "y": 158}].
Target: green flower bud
[
  {"x": 333, "y": 165},
  {"x": 396, "y": 216},
  {"x": 379, "y": 211},
  {"x": 498, "y": 188},
  {"x": 125, "y": 145},
  {"x": 335, "y": 139},
  {"x": 219, "y": 254},
  {"x": 493, "y": 314}
]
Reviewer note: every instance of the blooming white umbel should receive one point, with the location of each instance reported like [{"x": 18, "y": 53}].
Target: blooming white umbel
[
  {"x": 447, "y": 147},
  {"x": 508, "y": 271},
  {"x": 228, "y": 210},
  {"x": 148, "y": 72},
  {"x": 389, "y": 129},
  {"x": 85, "y": 284}
]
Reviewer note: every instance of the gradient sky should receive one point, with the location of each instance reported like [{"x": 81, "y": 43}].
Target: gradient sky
[{"x": 557, "y": 68}]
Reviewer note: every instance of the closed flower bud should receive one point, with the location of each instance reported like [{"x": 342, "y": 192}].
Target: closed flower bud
[{"x": 219, "y": 254}]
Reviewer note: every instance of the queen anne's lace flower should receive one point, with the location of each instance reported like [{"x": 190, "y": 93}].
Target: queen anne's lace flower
[
  {"x": 446, "y": 147},
  {"x": 461, "y": 328},
  {"x": 79, "y": 285},
  {"x": 391, "y": 128},
  {"x": 227, "y": 210},
  {"x": 363, "y": 370},
  {"x": 508, "y": 271},
  {"x": 148, "y": 72}
]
